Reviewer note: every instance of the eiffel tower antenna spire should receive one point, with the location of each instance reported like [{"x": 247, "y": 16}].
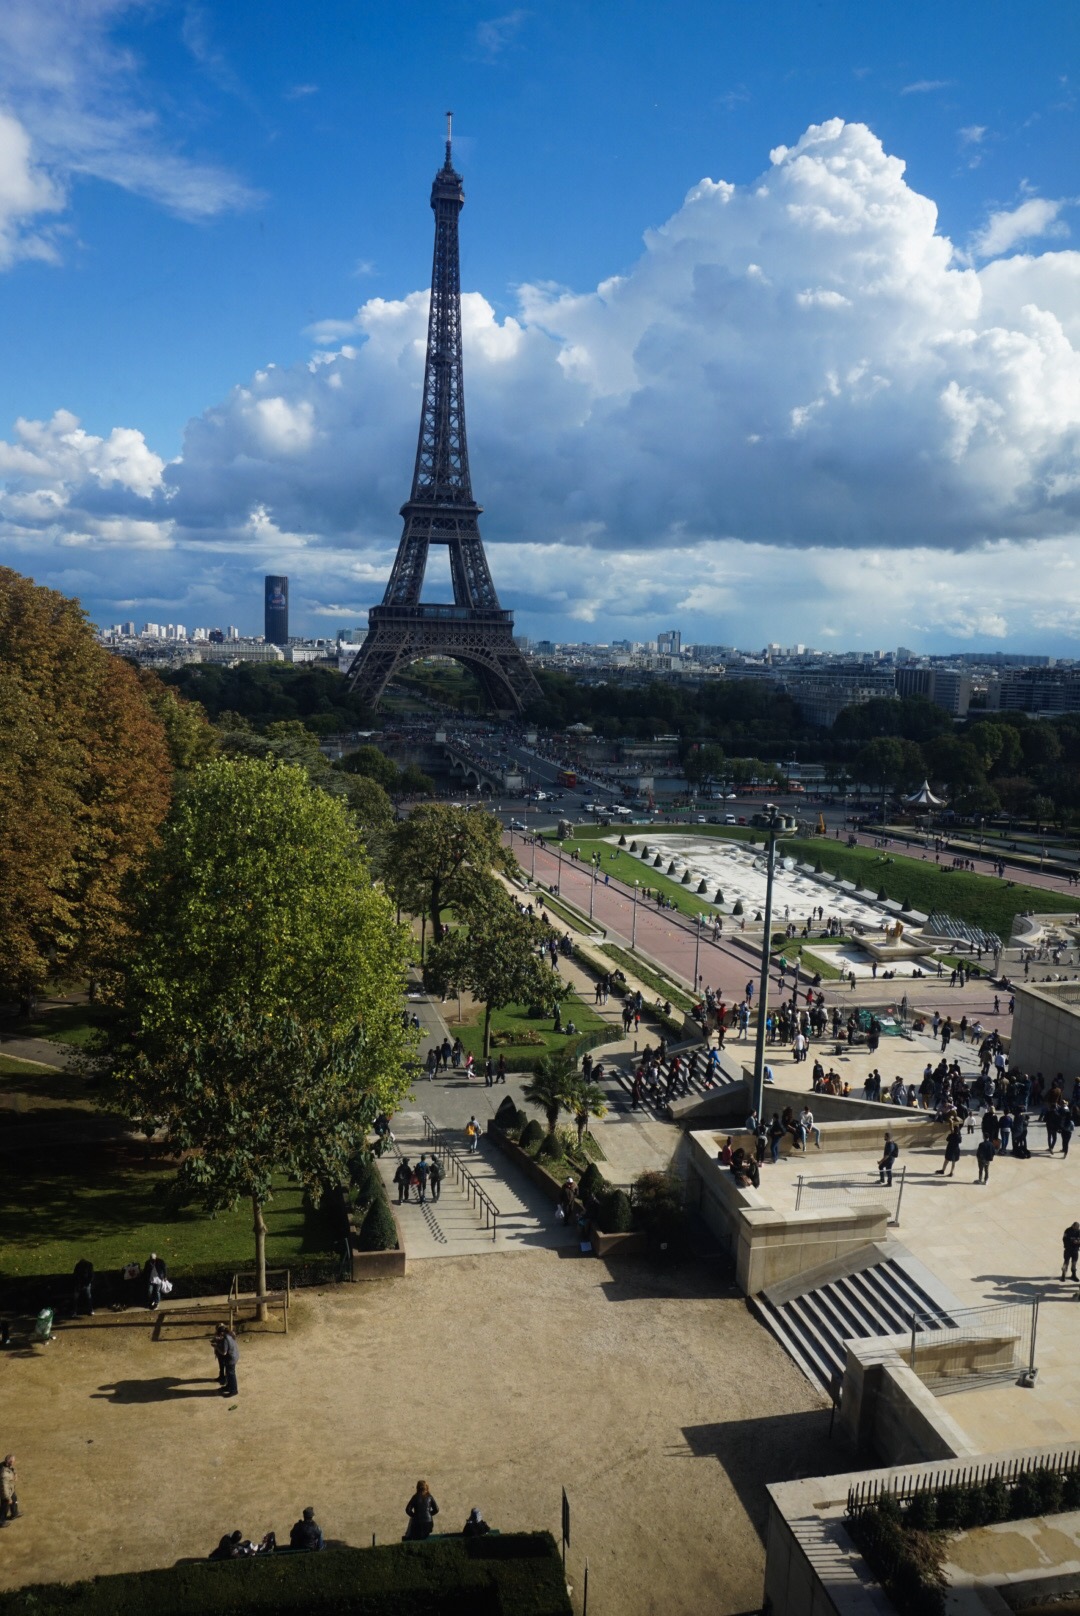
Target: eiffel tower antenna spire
[{"x": 441, "y": 510}]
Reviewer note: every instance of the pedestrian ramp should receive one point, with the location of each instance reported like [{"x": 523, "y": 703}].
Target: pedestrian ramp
[
  {"x": 878, "y": 1290},
  {"x": 457, "y": 1224}
]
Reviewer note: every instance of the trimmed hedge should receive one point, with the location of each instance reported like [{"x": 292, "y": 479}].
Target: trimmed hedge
[
  {"x": 506, "y": 1113},
  {"x": 615, "y": 1215},
  {"x": 378, "y": 1231},
  {"x": 909, "y": 1563},
  {"x": 532, "y": 1133},
  {"x": 487, "y": 1576}
]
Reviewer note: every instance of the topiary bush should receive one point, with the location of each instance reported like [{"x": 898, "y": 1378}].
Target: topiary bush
[
  {"x": 657, "y": 862},
  {"x": 819, "y": 868},
  {"x": 671, "y": 868},
  {"x": 686, "y": 878},
  {"x": 882, "y": 895},
  {"x": 378, "y": 1231},
  {"x": 551, "y": 1148},
  {"x": 504, "y": 1116},
  {"x": 532, "y": 1134},
  {"x": 718, "y": 896},
  {"x": 622, "y": 843},
  {"x": 521, "y": 1121},
  {"x": 922, "y": 1512},
  {"x": 369, "y": 1184},
  {"x": 593, "y": 1182},
  {"x": 615, "y": 1214},
  {"x": 657, "y": 1202},
  {"x": 738, "y": 907}
]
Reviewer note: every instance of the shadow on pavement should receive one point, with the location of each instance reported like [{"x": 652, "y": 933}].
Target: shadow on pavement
[
  {"x": 163, "y": 1389},
  {"x": 777, "y": 1447}
]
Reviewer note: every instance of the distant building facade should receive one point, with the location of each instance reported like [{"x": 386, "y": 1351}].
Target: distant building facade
[{"x": 945, "y": 687}]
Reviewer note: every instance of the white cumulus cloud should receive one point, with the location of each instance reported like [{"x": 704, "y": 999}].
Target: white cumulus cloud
[
  {"x": 1038, "y": 216},
  {"x": 799, "y": 393}
]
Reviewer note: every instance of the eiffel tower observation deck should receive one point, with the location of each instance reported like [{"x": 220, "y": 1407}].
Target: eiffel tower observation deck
[{"x": 474, "y": 630}]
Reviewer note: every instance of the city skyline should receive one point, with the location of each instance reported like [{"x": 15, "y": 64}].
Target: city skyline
[{"x": 824, "y": 385}]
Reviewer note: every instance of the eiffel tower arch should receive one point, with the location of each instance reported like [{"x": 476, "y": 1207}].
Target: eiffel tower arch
[{"x": 474, "y": 629}]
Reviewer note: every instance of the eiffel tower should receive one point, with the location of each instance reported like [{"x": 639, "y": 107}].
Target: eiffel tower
[{"x": 475, "y": 630}]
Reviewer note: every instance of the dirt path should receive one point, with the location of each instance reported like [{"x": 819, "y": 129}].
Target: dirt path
[{"x": 658, "y": 1402}]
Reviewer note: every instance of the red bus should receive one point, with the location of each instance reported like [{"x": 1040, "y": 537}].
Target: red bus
[{"x": 566, "y": 777}]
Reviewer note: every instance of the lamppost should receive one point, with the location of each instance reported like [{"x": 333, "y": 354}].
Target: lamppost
[
  {"x": 592, "y": 890},
  {"x": 697, "y": 951},
  {"x": 633, "y": 922},
  {"x": 763, "y": 984}
]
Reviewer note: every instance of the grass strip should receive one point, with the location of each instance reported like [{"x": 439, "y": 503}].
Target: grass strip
[{"x": 649, "y": 978}]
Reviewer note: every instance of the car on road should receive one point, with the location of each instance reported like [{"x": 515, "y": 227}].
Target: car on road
[
  {"x": 516, "y": 824},
  {"x": 729, "y": 819}
]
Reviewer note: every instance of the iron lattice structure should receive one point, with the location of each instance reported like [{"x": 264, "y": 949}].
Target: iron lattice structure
[{"x": 475, "y": 630}]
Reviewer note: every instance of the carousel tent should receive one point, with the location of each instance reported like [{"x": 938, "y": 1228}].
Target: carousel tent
[{"x": 924, "y": 798}]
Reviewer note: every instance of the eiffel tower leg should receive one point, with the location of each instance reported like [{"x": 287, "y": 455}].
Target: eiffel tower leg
[{"x": 487, "y": 651}]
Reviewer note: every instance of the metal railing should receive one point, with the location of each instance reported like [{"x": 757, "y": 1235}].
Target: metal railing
[
  {"x": 479, "y": 1198},
  {"x": 851, "y": 1189},
  {"x": 865, "y": 1494},
  {"x": 975, "y": 1346}
]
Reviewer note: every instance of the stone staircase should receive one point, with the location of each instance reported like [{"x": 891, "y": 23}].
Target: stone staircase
[
  {"x": 619, "y": 1081},
  {"x": 872, "y": 1292}
]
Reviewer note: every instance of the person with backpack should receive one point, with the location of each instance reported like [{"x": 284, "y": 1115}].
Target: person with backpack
[
  {"x": 435, "y": 1178},
  {"x": 420, "y": 1179},
  {"x": 403, "y": 1178},
  {"x": 472, "y": 1134}
]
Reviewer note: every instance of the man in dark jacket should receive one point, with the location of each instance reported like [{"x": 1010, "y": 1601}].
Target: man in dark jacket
[
  {"x": 307, "y": 1533},
  {"x": 1070, "y": 1243},
  {"x": 984, "y": 1156},
  {"x": 403, "y": 1178},
  {"x": 888, "y": 1160}
]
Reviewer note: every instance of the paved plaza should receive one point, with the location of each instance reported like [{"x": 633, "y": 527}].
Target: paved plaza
[{"x": 992, "y": 1243}]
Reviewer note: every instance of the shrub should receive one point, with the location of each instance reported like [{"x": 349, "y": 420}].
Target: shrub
[
  {"x": 909, "y": 1563},
  {"x": 622, "y": 843},
  {"x": 551, "y": 1147},
  {"x": 922, "y": 1511},
  {"x": 702, "y": 885},
  {"x": 1025, "y": 1498},
  {"x": 819, "y": 868},
  {"x": 997, "y": 1499},
  {"x": 657, "y": 862},
  {"x": 644, "y": 849},
  {"x": 593, "y": 1182},
  {"x": 738, "y": 908},
  {"x": 658, "y": 1206},
  {"x": 718, "y": 896},
  {"x": 521, "y": 1121},
  {"x": 615, "y": 1215},
  {"x": 1049, "y": 1488},
  {"x": 369, "y": 1185},
  {"x": 1070, "y": 1498},
  {"x": 686, "y": 878},
  {"x": 532, "y": 1134},
  {"x": 504, "y": 1116},
  {"x": 378, "y": 1231},
  {"x": 906, "y": 906},
  {"x": 671, "y": 868},
  {"x": 882, "y": 895}
]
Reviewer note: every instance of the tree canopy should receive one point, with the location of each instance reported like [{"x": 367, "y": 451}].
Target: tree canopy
[
  {"x": 85, "y": 781},
  {"x": 434, "y": 857},
  {"x": 258, "y": 1017}
]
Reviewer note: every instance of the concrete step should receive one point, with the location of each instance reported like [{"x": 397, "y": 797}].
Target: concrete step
[{"x": 875, "y": 1300}]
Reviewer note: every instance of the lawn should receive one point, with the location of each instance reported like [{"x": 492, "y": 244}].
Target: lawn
[
  {"x": 649, "y": 978},
  {"x": 627, "y": 867},
  {"x": 10, "y": 1066},
  {"x": 61, "y": 1206},
  {"x": 525, "y": 1030},
  {"x": 62, "y": 1023},
  {"x": 981, "y": 900}
]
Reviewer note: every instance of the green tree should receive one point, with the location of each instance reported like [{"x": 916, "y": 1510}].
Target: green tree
[
  {"x": 435, "y": 857},
  {"x": 258, "y": 1018},
  {"x": 550, "y": 1088},
  {"x": 494, "y": 956},
  {"x": 880, "y": 762},
  {"x": 375, "y": 764}
]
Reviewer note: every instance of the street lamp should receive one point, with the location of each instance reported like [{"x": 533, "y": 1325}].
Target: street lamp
[
  {"x": 592, "y": 891},
  {"x": 633, "y": 922},
  {"x": 697, "y": 952},
  {"x": 763, "y": 984}
]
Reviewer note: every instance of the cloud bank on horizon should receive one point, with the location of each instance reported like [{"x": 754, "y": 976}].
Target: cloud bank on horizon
[{"x": 801, "y": 400}]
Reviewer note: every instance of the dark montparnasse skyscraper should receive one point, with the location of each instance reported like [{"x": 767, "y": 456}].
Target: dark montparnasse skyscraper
[{"x": 276, "y": 611}]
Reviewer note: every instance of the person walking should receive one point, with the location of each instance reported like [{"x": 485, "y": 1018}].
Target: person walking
[
  {"x": 231, "y": 1355},
  {"x": 888, "y": 1160},
  {"x": 1050, "y": 1118},
  {"x": 155, "y": 1278},
  {"x": 1070, "y": 1244},
  {"x": 403, "y": 1178},
  {"x": 83, "y": 1280},
  {"x": 421, "y": 1510},
  {"x": 9, "y": 1497},
  {"x": 422, "y": 1173},
  {"x": 952, "y": 1152},
  {"x": 1065, "y": 1128},
  {"x": 435, "y": 1178},
  {"x": 984, "y": 1156},
  {"x": 472, "y": 1134}
]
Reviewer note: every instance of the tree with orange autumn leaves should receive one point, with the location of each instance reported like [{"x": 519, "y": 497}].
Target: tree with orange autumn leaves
[{"x": 86, "y": 776}]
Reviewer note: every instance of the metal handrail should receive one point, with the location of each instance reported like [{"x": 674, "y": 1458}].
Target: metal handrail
[{"x": 472, "y": 1186}]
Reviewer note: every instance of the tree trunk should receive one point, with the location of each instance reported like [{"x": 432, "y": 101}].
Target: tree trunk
[
  {"x": 487, "y": 1031},
  {"x": 437, "y": 928},
  {"x": 260, "y": 1257}
]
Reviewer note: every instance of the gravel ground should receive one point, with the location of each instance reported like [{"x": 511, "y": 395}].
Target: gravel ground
[{"x": 655, "y": 1399}]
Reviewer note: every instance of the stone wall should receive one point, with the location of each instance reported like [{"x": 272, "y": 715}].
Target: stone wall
[{"x": 1046, "y": 1029}]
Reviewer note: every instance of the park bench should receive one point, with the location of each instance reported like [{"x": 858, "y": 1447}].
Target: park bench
[{"x": 241, "y": 1304}]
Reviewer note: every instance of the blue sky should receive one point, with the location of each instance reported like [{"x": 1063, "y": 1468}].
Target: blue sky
[{"x": 745, "y": 413}]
